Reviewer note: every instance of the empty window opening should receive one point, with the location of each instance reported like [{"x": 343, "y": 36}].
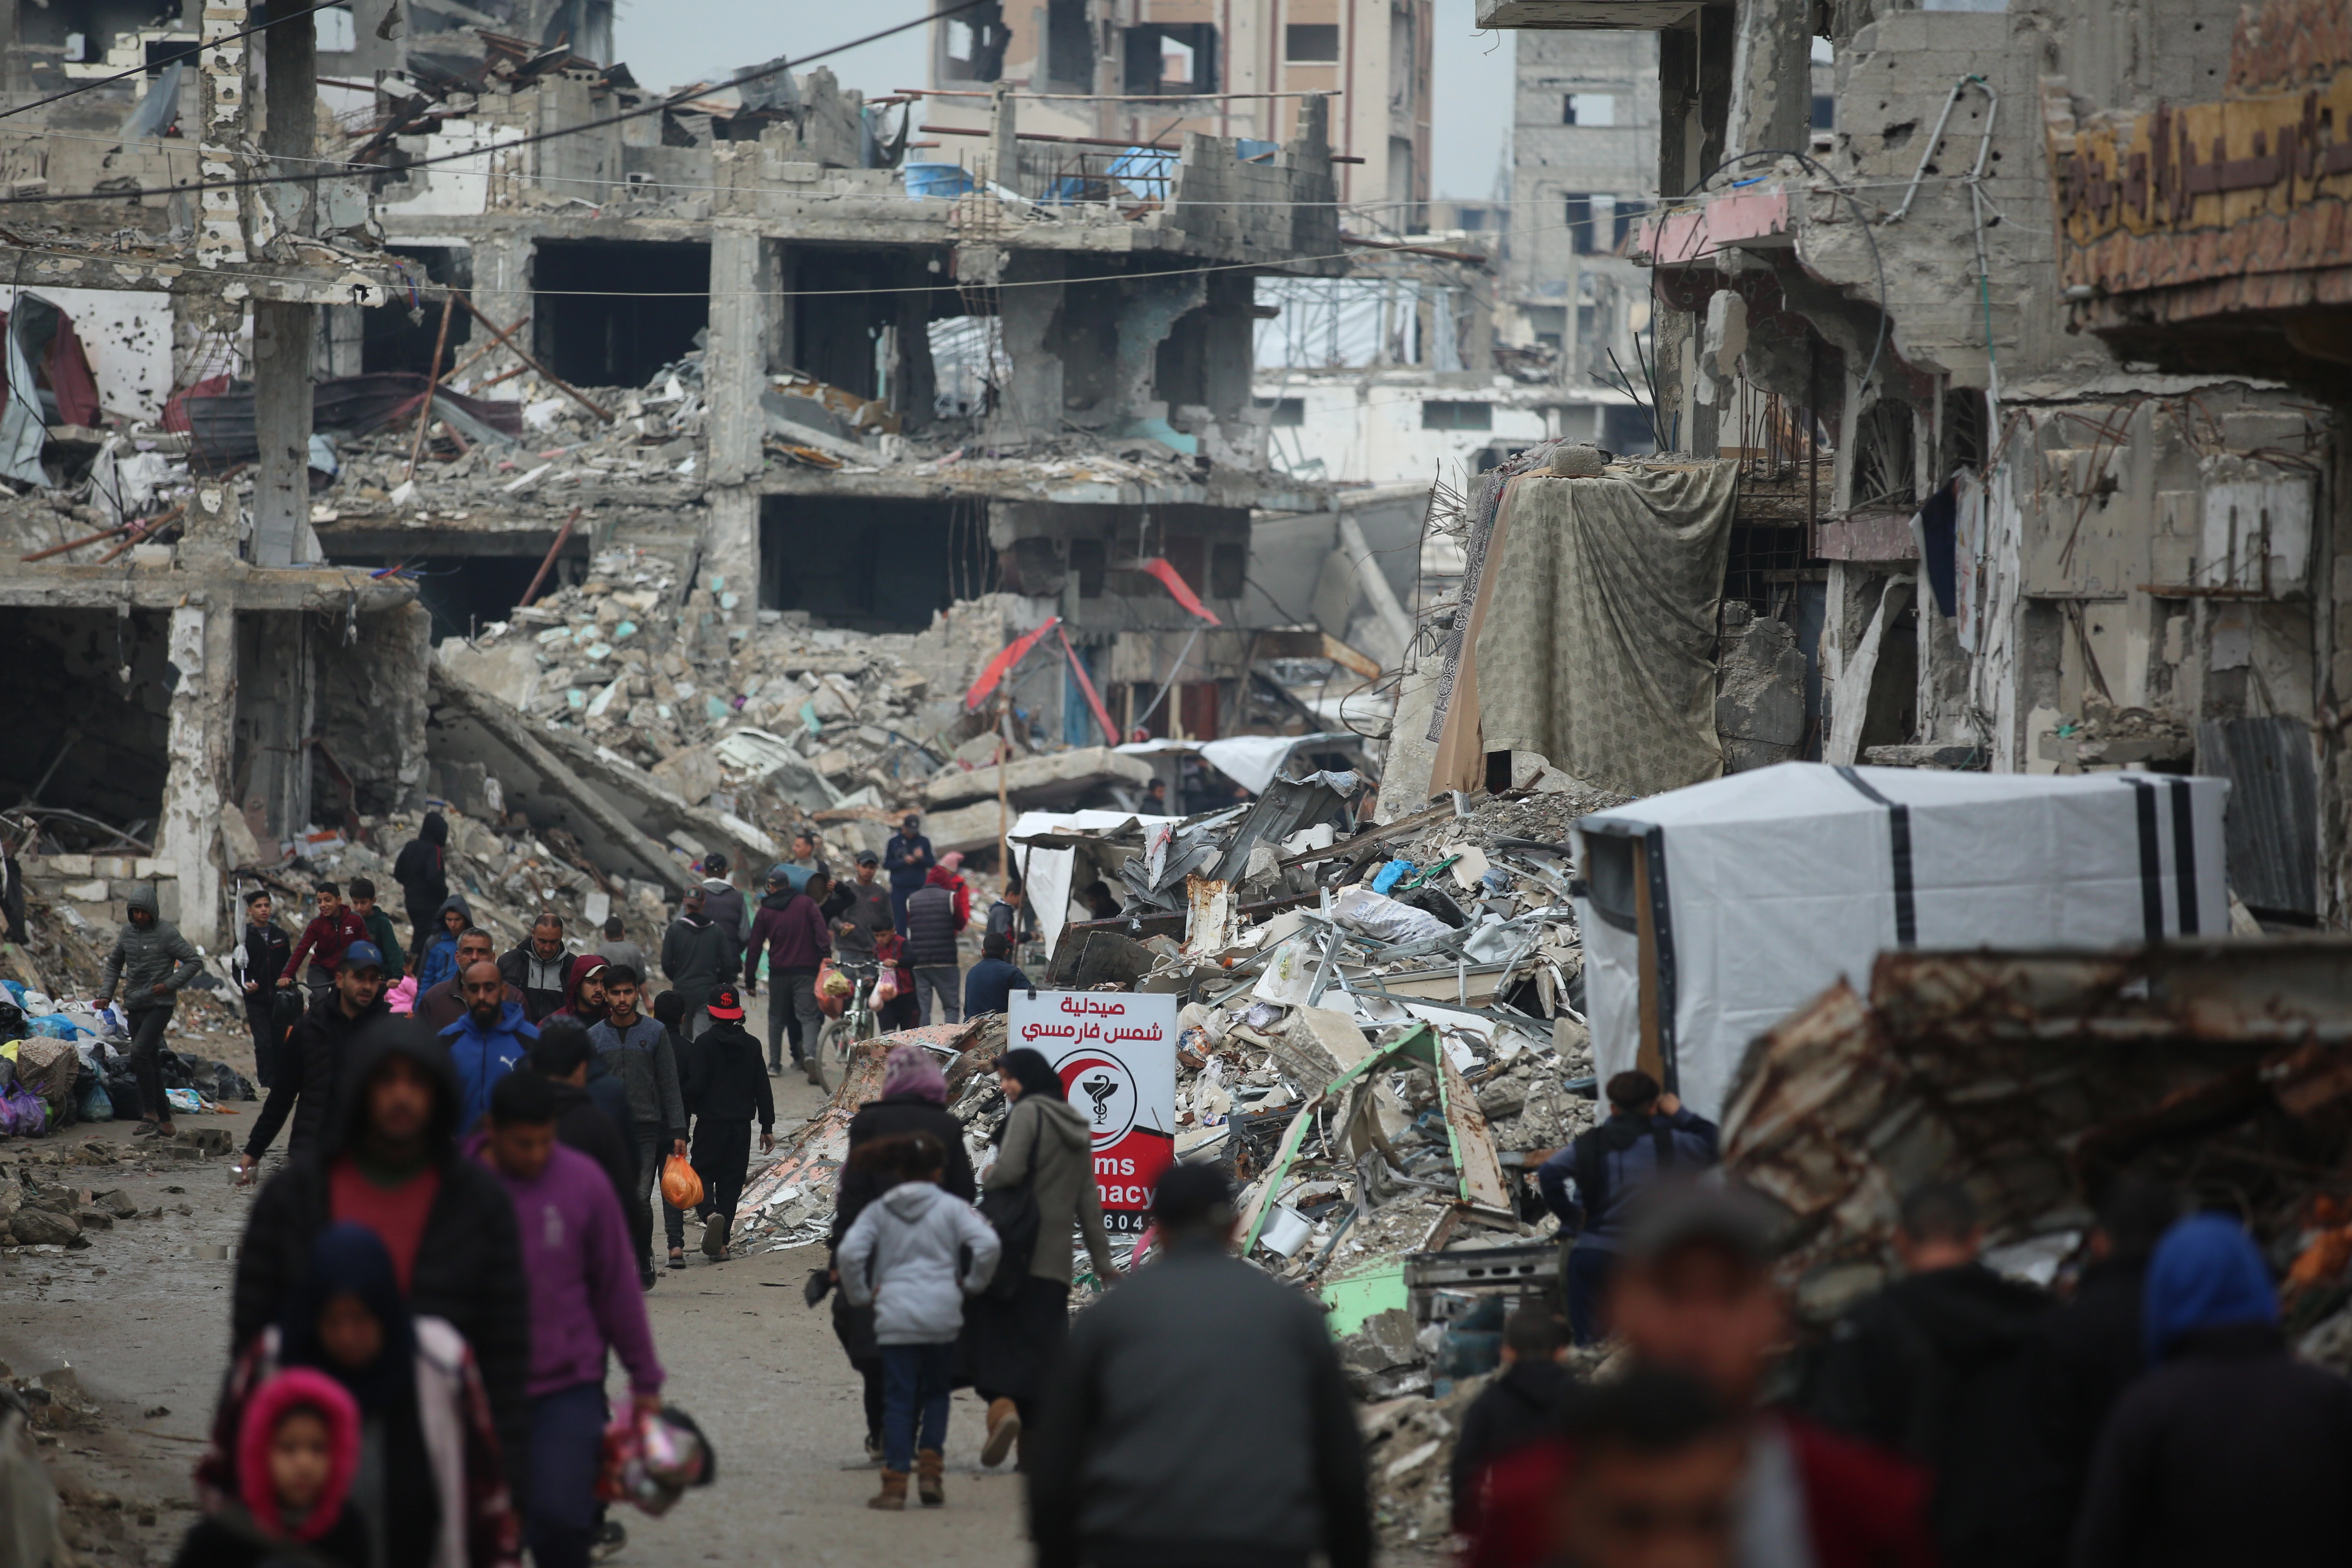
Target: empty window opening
[
  {"x": 1577, "y": 215},
  {"x": 1454, "y": 416},
  {"x": 972, "y": 44},
  {"x": 612, "y": 313},
  {"x": 106, "y": 737},
  {"x": 1626, "y": 216},
  {"x": 1286, "y": 413},
  {"x": 1171, "y": 58},
  {"x": 462, "y": 590},
  {"x": 872, "y": 566},
  {"x": 1884, "y": 474},
  {"x": 1824, "y": 112},
  {"x": 398, "y": 339},
  {"x": 1069, "y": 46},
  {"x": 338, "y": 33},
  {"x": 1312, "y": 42},
  {"x": 1589, "y": 109}
]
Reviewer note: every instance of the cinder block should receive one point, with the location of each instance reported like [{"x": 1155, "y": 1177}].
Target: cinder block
[
  {"x": 116, "y": 868},
  {"x": 94, "y": 892},
  {"x": 153, "y": 868},
  {"x": 61, "y": 866}
]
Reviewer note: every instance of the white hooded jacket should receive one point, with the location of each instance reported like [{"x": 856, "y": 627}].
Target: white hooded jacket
[{"x": 905, "y": 1256}]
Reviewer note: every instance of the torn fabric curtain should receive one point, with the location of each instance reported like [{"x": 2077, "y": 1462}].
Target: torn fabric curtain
[
  {"x": 1595, "y": 640},
  {"x": 1012, "y": 653},
  {"x": 1087, "y": 685},
  {"x": 1178, "y": 589}
]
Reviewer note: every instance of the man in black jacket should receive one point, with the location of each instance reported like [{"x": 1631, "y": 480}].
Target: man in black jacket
[
  {"x": 931, "y": 927},
  {"x": 697, "y": 958},
  {"x": 1595, "y": 1184},
  {"x": 313, "y": 1057},
  {"x": 1132, "y": 1463},
  {"x": 1519, "y": 1407},
  {"x": 539, "y": 966},
  {"x": 422, "y": 872},
  {"x": 1936, "y": 1368},
  {"x": 2091, "y": 1348},
  {"x": 590, "y": 1111},
  {"x": 391, "y": 1162},
  {"x": 727, "y": 1086},
  {"x": 260, "y": 956}
]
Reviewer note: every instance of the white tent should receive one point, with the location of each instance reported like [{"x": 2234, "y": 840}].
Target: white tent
[{"x": 1709, "y": 913}]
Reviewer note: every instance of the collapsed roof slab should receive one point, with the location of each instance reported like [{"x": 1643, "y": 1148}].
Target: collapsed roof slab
[{"x": 623, "y": 818}]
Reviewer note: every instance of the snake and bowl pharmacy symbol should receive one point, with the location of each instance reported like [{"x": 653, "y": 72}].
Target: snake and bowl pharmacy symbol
[{"x": 1102, "y": 1089}]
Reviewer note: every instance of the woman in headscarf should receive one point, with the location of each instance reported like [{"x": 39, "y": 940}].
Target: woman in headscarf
[
  {"x": 914, "y": 1099},
  {"x": 1010, "y": 1342},
  {"x": 431, "y": 1486},
  {"x": 583, "y": 994}
]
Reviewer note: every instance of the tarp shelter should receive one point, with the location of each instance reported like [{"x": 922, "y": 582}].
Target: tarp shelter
[
  {"x": 1046, "y": 874},
  {"x": 1709, "y": 913},
  {"x": 1250, "y": 760}
]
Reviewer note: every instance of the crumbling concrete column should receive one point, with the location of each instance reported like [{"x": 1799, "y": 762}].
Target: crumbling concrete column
[
  {"x": 277, "y": 698},
  {"x": 735, "y": 369},
  {"x": 1030, "y": 317},
  {"x": 201, "y": 737},
  {"x": 284, "y": 335},
  {"x": 1003, "y": 140},
  {"x": 731, "y": 553},
  {"x": 1771, "y": 79}
]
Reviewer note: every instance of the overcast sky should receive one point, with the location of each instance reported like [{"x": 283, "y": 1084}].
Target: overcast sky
[{"x": 1473, "y": 87}]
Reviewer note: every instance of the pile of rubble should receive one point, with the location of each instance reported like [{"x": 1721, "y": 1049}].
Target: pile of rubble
[{"x": 1381, "y": 1030}]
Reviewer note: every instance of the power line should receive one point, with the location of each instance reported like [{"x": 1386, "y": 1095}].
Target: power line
[
  {"x": 660, "y": 106},
  {"x": 201, "y": 45}
]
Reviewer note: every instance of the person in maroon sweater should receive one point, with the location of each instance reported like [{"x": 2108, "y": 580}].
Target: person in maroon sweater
[
  {"x": 336, "y": 927},
  {"x": 1694, "y": 1294},
  {"x": 791, "y": 927}
]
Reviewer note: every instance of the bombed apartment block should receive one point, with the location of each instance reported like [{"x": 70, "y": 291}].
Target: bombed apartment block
[{"x": 2052, "y": 363}]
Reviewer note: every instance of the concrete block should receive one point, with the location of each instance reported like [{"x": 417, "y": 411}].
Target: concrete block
[
  {"x": 119, "y": 867},
  {"x": 93, "y": 893},
  {"x": 148, "y": 869},
  {"x": 64, "y": 866},
  {"x": 690, "y": 775}
]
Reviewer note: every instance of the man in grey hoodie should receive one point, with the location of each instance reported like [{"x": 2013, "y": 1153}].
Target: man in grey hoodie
[
  {"x": 151, "y": 962},
  {"x": 637, "y": 1050}
]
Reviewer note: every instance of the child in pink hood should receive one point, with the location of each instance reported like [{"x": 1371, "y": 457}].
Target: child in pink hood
[{"x": 298, "y": 1451}]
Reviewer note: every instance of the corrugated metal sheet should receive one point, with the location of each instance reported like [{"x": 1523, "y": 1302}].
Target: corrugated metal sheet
[
  {"x": 2034, "y": 1079},
  {"x": 2273, "y": 816}
]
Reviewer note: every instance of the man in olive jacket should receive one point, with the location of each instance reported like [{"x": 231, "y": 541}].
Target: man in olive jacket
[{"x": 1130, "y": 1464}]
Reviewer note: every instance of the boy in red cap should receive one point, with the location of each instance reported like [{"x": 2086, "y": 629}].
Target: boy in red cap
[{"x": 727, "y": 1085}]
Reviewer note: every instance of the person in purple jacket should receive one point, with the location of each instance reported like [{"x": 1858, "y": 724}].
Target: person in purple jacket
[
  {"x": 584, "y": 1302},
  {"x": 791, "y": 928}
]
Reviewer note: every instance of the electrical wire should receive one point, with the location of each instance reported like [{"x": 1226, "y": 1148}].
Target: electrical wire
[
  {"x": 195, "y": 49},
  {"x": 660, "y": 106}
]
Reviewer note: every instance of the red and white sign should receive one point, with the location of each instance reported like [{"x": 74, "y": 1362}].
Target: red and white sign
[{"x": 1116, "y": 1053}]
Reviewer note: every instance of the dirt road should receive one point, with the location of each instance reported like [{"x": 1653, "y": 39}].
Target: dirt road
[{"x": 142, "y": 1319}]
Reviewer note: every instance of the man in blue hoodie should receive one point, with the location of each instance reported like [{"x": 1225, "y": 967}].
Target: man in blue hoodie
[
  {"x": 2228, "y": 1450},
  {"x": 486, "y": 1044}
]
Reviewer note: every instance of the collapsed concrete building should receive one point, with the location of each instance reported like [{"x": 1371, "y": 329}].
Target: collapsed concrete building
[
  {"x": 172, "y": 695},
  {"x": 504, "y": 312},
  {"x": 2048, "y": 518}
]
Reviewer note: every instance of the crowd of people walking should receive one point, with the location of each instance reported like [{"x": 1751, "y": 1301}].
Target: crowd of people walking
[{"x": 431, "y": 1289}]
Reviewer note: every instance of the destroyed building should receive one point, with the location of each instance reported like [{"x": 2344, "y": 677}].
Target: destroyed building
[
  {"x": 2043, "y": 517},
  {"x": 169, "y": 694},
  {"x": 748, "y": 345}
]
